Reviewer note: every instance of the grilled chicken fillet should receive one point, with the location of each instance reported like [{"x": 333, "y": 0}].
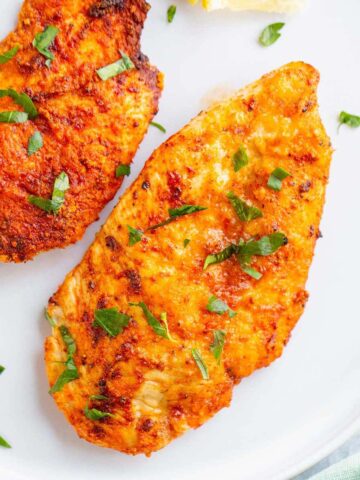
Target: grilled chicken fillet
[
  {"x": 89, "y": 126},
  {"x": 154, "y": 387}
]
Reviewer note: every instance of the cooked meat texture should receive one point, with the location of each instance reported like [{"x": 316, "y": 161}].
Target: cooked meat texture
[
  {"x": 154, "y": 388},
  {"x": 89, "y": 126}
]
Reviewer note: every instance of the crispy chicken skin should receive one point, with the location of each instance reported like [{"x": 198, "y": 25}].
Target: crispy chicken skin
[
  {"x": 89, "y": 126},
  {"x": 153, "y": 386}
]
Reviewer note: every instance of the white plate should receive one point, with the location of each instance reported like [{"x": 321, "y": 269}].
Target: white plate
[{"x": 282, "y": 418}]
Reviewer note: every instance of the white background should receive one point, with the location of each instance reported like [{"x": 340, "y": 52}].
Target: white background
[{"x": 303, "y": 405}]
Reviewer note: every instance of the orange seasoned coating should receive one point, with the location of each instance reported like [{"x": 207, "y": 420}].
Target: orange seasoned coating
[
  {"x": 89, "y": 126},
  {"x": 153, "y": 387}
]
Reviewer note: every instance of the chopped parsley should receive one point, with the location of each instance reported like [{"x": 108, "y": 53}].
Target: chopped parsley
[
  {"x": 186, "y": 242},
  {"x": 9, "y": 55},
  {"x": 4, "y": 443},
  {"x": 111, "y": 320},
  {"x": 218, "y": 344},
  {"x": 244, "y": 252},
  {"x": 93, "y": 413},
  {"x": 352, "y": 121},
  {"x": 171, "y": 12},
  {"x": 61, "y": 185},
  {"x": 135, "y": 235},
  {"x": 22, "y": 100},
  {"x": 276, "y": 178},
  {"x": 123, "y": 170},
  {"x": 158, "y": 126},
  {"x": 50, "y": 319},
  {"x": 71, "y": 372},
  {"x": 1, "y": 369},
  {"x": 175, "y": 213},
  {"x": 216, "y": 305},
  {"x": 240, "y": 159},
  {"x": 245, "y": 212},
  {"x": 44, "y": 40},
  {"x": 116, "y": 68},
  {"x": 270, "y": 34},
  {"x": 35, "y": 143},
  {"x": 200, "y": 363},
  {"x": 161, "y": 328}
]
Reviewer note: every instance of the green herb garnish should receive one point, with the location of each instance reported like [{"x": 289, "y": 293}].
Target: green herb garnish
[
  {"x": 123, "y": 170},
  {"x": 4, "y": 443},
  {"x": 160, "y": 328},
  {"x": 220, "y": 256},
  {"x": 270, "y": 34},
  {"x": 111, "y": 320},
  {"x": 20, "y": 99},
  {"x": 244, "y": 251},
  {"x": 276, "y": 178},
  {"x": 35, "y": 143},
  {"x": 9, "y": 55},
  {"x": 352, "y": 121},
  {"x": 114, "y": 69},
  {"x": 158, "y": 126},
  {"x": 71, "y": 372},
  {"x": 244, "y": 211},
  {"x": 186, "y": 242},
  {"x": 240, "y": 159},
  {"x": 43, "y": 41},
  {"x": 93, "y": 413},
  {"x": 218, "y": 344},
  {"x": 1, "y": 369},
  {"x": 216, "y": 305},
  {"x": 135, "y": 236},
  {"x": 200, "y": 363},
  {"x": 175, "y": 213},
  {"x": 49, "y": 318},
  {"x": 171, "y": 13},
  {"x": 61, "y": 185}
]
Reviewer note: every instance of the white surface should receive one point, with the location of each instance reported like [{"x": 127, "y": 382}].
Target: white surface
[{"x": 283, "y": 418}]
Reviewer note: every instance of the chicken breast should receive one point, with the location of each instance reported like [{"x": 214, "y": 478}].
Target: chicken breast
[
  {"x": 198, "y": 276},
  {"x": 88, "y": 125}
]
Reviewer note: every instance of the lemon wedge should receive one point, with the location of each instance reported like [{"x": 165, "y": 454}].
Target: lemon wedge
[{"x": 280, "y": 6}]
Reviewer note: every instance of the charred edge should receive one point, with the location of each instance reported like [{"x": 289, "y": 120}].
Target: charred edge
[{"x": 101, "y": 8}]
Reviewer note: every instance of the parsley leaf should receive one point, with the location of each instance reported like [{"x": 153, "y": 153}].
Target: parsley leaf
[
  {"x": 220, "y": 256},
  {"x": 218, "y": 344},
  {"x": 49, "y": 318},
  {"x": 352, "y": 121},
  {"x": 171, "y": 13},
  {"x": 13, "y": 117},
  {"x": 240, "y": 159},
  {"x": 35, "y": 143},
  {"x": 93, "y": 413},
  {"x": 158, "y": 126},
  {"x": 135, "y": 236},
  {"x": 111, "y": 320},
  {"x": 276, "y": 178},
  {"x": 1, "y": 369},
  {"x": 244, "y": 211},
  {"x": 122, "y": 170},
  {"x": 186, "y": 242},
  {"x": 4, "y": 443},
  {"x": 159, "y": 328},
  {"x": 22, "y": 100},
  {"x": 200, "y": 363},
  {"x": 175, "y": 213},
  {"x": 43, "y": 41},
  {"x": 9, "y": 55},
  {"x": 71, "y": 372},
  {"x": 116, "y": 68},
  {"x": 270, "y": 34},
  {"x": 61, "y": 185},
  {"x": 216, "y": 305}
]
